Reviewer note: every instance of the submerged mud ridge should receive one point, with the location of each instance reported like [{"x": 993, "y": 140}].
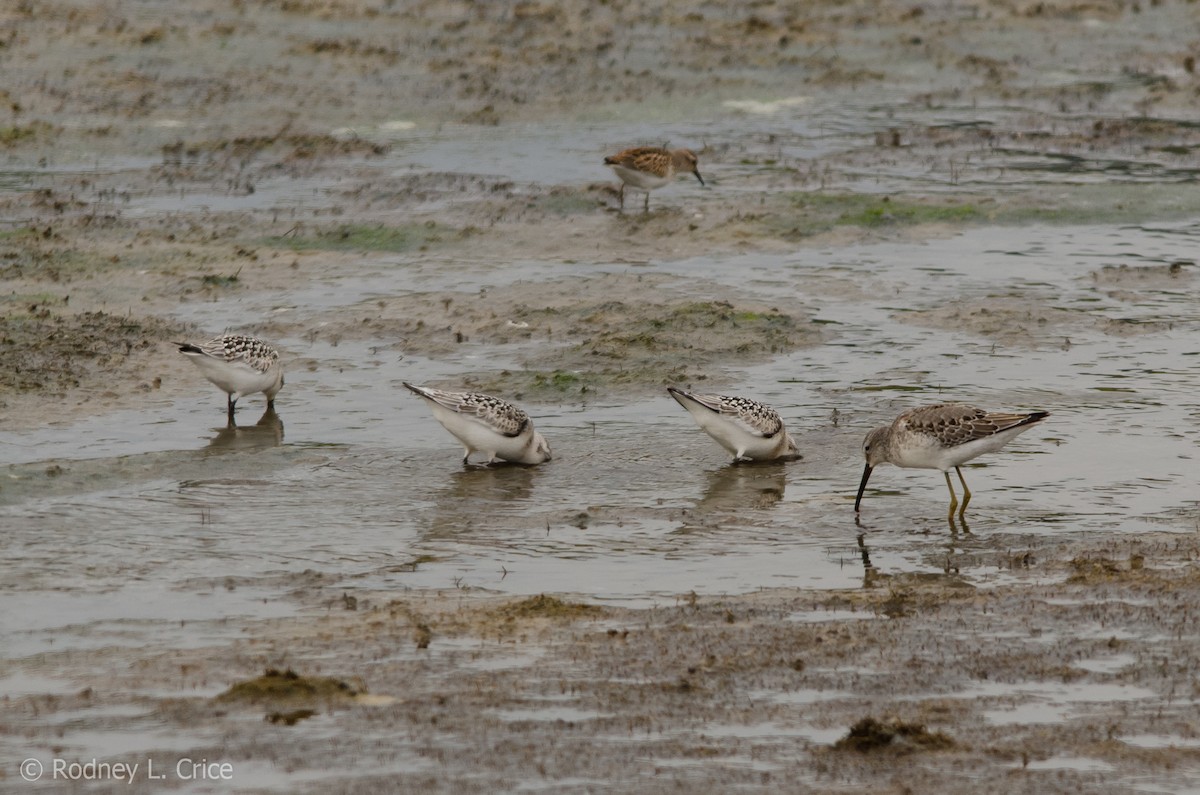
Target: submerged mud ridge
[
  {"x": 1142, "y": 294},
  {"x": 591, "y": 334}
]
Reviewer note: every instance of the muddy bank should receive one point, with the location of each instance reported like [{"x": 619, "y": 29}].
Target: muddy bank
[
  {"x": 625, "y": 333},
  {"x": 1046, "y": 683}
]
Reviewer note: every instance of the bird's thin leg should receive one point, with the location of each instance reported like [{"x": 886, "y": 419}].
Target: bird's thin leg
[
  {"x": 966, "y": 491},
  {"x": 270, "y": 404},
  {"x": 953, "y": 496},
  {"x": 646, "y": 207},
  {"x": 230, "y": 403},
  {"x": 621, "y": 196},
  {"x": 466, "y": 456}
]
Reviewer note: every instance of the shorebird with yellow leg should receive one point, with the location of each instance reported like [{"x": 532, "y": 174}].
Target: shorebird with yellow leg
[{"x": 942, "y": 437}]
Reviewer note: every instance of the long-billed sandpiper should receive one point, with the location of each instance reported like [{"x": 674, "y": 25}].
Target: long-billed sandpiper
[
  {"x": 746, "y": 428},
  {"x": 486, "y": 424},
  {"x": 238, "y": 365},
  {"x": 940, "y": 437},
  {"x": 650, "y": 167}
]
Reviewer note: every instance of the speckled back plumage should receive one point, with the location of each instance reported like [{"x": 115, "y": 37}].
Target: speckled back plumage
[
  {"x": 943, "y": 436},
  {"x": 243, "y": 348},
  {"x": 756, "y": 417},
  {"x": 239, "y": 365},
  {"x": 656, "y": 160},
  {"x": 502, "y": 416},
  {"x": 648, "y": 159},
  {"x": 750, "y": 430},
  {"x": 953, "y": 424}
]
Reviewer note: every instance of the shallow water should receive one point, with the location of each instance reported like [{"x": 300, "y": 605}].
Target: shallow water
[{"x": 125, "y": 521}]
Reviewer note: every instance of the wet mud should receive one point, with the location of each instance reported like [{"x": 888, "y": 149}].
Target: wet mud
[{"x": 904, "y": 204}]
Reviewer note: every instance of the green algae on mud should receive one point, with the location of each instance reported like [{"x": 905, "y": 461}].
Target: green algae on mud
[
  {"x": 287, "y": 145},
  {"x": 797, "y": 216},
  {"x": 363, "y": 237},
  {"x": 17, "y": 134},
  {"x": 821, "y": 212}
]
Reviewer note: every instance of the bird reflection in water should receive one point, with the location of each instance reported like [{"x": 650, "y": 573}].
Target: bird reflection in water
[
  {"x": 496, "y": 483},
  {"x": 756, "y": 486},
  {"x": 267, "y": 432},
  {"x": 472, "y": 498}
]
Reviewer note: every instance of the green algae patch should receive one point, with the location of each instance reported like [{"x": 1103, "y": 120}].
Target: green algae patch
[
  {"x": 887, "y": 212},
  {"x": 287, "y": 686},
  {"x": 287, "y": 147},
  {"x": 560, "y": 382},
  {"x": 17, "y": 134},
  {"x": 795, "y": 216},
  {"x": 809, "y": 214},
  {"x": 363, "y": 237},
  {"x": 801, "y": 215}
]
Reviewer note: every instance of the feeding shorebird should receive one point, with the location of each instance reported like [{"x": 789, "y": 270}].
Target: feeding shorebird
[
  {"x": 650, "y": 167},
  {"x": 746, "y": 428},
  {"x": 486, "y": 424},
  {"x": 940, "y": 437},
  {"x": 239, "y": 365}
]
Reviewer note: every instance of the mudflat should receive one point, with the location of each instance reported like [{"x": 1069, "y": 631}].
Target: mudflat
[{"x": 904, "y": 204}]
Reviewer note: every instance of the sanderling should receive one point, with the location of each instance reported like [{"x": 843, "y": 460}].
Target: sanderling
[
  {"x": 940, "y": 437},
  {"x": 487, "y": 424},
  {"x": 239, "y": 365},
  {"x": 746, "y": 428},
  {"x": 650, "y": 167}
]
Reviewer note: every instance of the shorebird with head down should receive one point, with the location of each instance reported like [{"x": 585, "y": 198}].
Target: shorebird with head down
[
  {"x": 486, "y": 424},
  {"x": 648, "y": 167},
  {"x": 749, "y": 430},
  {"x": 239, "y": 365},
  {"x": 943, "y": 436}
]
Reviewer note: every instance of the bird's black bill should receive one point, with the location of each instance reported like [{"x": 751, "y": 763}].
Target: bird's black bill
[
  {"x": 862, "y": 486},
  {"x": 697, "y": 173}
]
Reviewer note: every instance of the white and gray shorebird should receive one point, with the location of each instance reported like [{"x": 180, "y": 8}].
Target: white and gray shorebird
[
  {"x": 486, "y": 424},
  {"x": 942, "y": 436},
  {"x": 749, "y": 430},
  {"x": 239, "y": 365}
]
